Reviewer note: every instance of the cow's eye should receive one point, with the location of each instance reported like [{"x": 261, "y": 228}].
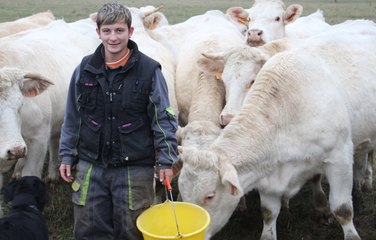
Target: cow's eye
[
  {"x": 209, "y": 197},
  {"x": 277, "y": 19},
  {"x": 249, "y": 85}
]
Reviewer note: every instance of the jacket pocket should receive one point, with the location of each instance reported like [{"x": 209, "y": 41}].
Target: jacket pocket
[
  {"x": 142, "y": 187},
  {"x": 90, "y": 138},
  {"x": 88, "y": 97},
  {"x": 136, "y": 140}
]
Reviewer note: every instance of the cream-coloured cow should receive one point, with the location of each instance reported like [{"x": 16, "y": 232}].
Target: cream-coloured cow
[
  {"x": 22, "y": 24},
  {"x": 235, "y": 90},
  {"x": 307, "y": 110},
  {"x": 200, "y": 97},
  {"x": 18, "y": 91},
  {"x": 52, "y": 51},
  {"x": 211, "y": 30},
  {"x": 267, "y": 20},
  {"x": 247, "y": 62}
]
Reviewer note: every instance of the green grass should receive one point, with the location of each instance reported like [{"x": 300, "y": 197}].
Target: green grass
[{"x": 179, "y": 10}]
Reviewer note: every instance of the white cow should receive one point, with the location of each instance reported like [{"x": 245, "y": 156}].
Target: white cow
[
  {"x": 22, "y": 24},
  {"x": 200, "y": 97},
  {"x": 267, "y": 20},
  {"x": 213, "y": 29},
  {"x": 17, "y": 90},
  {"x": 53, "y": 52},
  {"x": 303, "y": 116},
  {"x": 247, "y": 62}
]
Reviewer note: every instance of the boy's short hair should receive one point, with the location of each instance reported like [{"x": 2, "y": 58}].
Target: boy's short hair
[{"x": 111, "y": 13}]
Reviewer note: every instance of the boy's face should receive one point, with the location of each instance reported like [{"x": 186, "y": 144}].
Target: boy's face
[{"x": 115, "y": 38}]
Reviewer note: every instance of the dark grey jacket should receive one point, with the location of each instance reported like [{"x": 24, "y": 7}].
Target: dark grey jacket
[{"x": 107, "y": 141}]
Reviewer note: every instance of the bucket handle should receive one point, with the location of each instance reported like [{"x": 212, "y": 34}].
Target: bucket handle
[{"x": 169, "y": 188}]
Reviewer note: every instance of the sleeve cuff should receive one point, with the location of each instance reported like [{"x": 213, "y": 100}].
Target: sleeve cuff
[{"x": 67, "y": 160}]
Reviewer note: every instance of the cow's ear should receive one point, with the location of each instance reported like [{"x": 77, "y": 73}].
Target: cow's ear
[
  {"x": 292, "y": 13},
  {"x": 93, "y": 17},
  {"x": 238, "y": 14},
  {"x": 153, "y": 19},
  {"x": 211, "y": 62},
  {"x": 229, "y": 178},
  {"x": 34, "y": 84}
]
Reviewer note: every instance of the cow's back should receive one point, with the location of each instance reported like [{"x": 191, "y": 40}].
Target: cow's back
[{"x": 22, "y": 24}]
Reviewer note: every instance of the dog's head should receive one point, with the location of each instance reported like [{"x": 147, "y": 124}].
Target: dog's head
[{"x": 28, "y": 190}]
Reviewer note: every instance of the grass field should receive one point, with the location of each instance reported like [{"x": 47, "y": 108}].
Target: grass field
[
  {"x": 179, "y": 10},
  {"x": 295, "y": 224}
]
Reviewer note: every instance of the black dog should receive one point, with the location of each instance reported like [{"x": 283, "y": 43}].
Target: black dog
[{"x": 25, "y": 220}]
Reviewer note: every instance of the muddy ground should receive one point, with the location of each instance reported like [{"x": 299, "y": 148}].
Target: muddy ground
[{"x": 298, "y": 222}]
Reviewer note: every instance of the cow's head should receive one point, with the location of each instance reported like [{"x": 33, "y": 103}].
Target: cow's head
[
  {"x": 267, "y": 20},
  {"x": 239, "y": 67},
  {"x": 212, "y": 183},
  {"x": 14, "y": 86}
]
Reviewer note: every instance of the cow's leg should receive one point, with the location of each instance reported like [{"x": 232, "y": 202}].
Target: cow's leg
[
  {"x": 339, "y": 175},
  {"x": 359, "y": 172},
  {"x": 18, "y": 168},
  {"x": 359, "y": 169},
  {"x": 367, "y": 184},
  {"x": 270, "y": 208},
  {"x": 1, "y": 187},
  {"x": 363, "y": 157},
  {"x": 320, "y": 201},
  {"x": 37, "y": 152},
  {"x": 53, "y": 163}
]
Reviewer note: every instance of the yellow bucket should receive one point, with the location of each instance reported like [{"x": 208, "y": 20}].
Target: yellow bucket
[{"x": 158, "y": 222}]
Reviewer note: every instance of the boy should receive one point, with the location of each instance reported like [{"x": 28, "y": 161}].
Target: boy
[{"x": 118, "y": 125}]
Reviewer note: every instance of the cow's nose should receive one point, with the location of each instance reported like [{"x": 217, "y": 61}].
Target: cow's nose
[
  {"x": 255, "y": 33},
  {"x": 16, "y": 152},
  {"x": 254, "y": 37}
]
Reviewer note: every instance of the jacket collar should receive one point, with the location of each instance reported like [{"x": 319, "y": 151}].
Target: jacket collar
[{"x": 96, "y": 63}]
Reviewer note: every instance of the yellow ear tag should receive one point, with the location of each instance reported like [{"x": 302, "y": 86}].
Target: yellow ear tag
[
  {"x": 243, "y": 21},
  {"x": 152, "y": 26},
  {"x": 218, "y": 75},
  {"x": 75, "y": 186}
]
